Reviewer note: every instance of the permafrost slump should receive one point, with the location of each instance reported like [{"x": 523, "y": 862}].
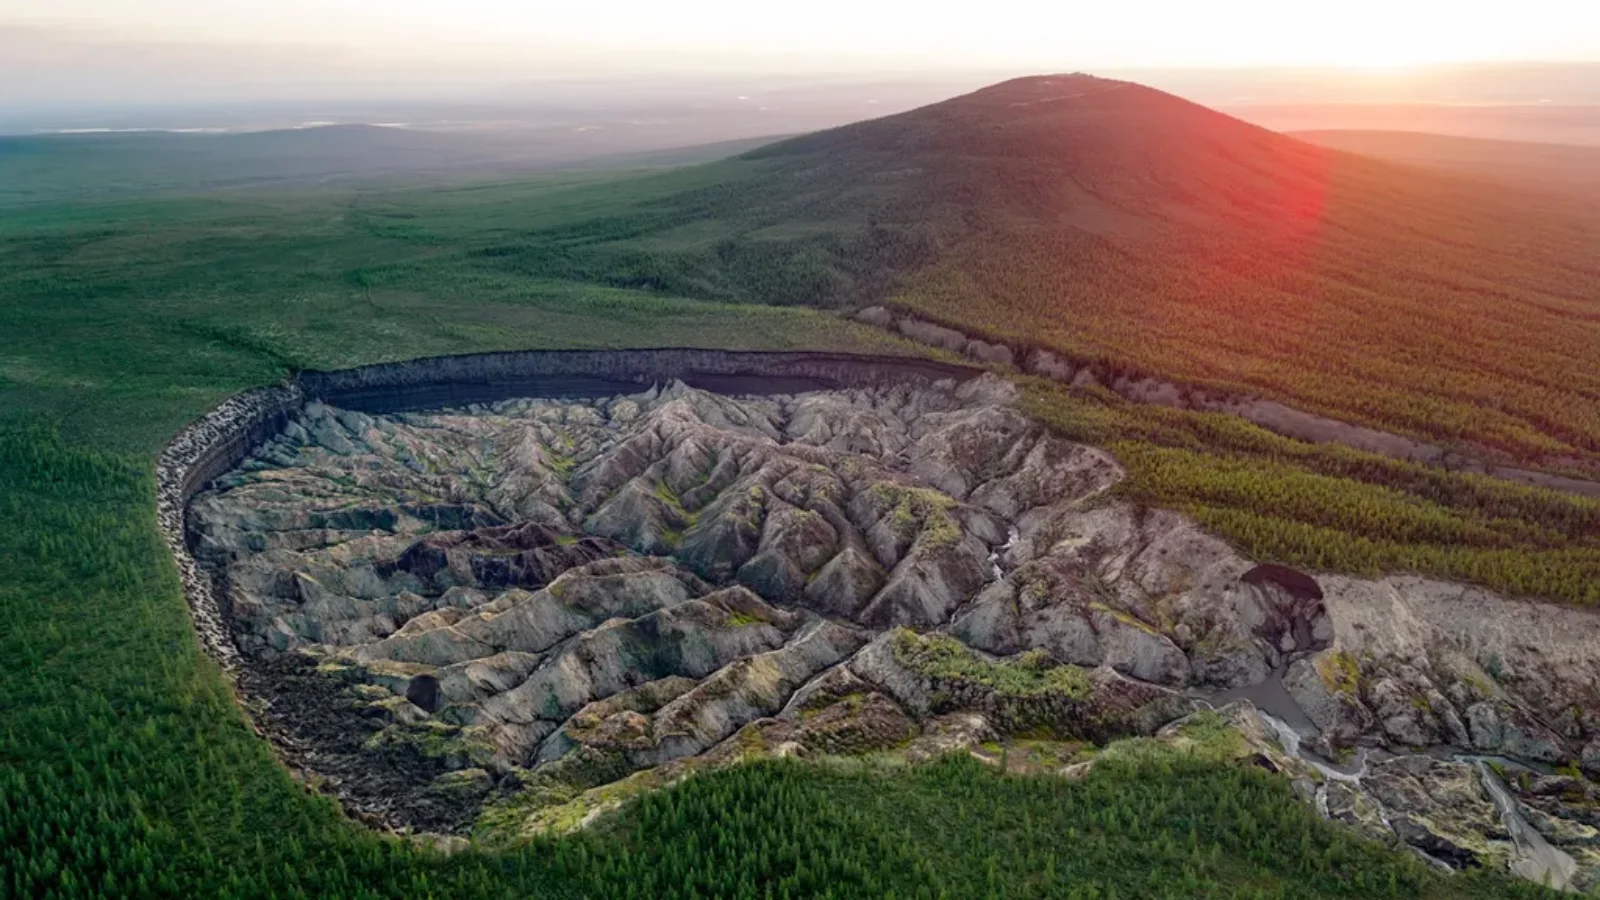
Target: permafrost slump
[{"x": 496, "y": 613}]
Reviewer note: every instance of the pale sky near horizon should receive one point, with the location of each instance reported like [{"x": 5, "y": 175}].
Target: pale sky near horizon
[
  {"x": 117, "y": 43},
  {"x": 1122, "y": 34}
]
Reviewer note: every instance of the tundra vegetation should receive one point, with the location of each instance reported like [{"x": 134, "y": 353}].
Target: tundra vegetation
[{"x": 126, "y": 768}]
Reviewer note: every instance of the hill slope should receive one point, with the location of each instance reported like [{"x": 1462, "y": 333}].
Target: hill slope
[
  {"x": 1562, "y": 168},
  {"x": 1119, "y": 223},
  {"x": 127, "y": 769}
]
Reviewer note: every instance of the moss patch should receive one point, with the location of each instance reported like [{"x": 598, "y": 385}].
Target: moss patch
[
  {"x": 1340, "y": 672},
  {"x": 919, "y": 513},
  {"x": 1206, "y": 735},
  {"x": 1027, "y": 675}
]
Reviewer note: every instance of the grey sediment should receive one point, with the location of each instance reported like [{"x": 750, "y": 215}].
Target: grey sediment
[
  {"x": 1269, "y": 414},
  {"x": 221, "y": 439}
]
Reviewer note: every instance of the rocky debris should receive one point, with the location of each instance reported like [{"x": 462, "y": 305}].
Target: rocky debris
[
  {"x": 581, "y": 599},
  {"x": 347, "y": 736},
  {"x": 1327, "y": 690},
  {"x": 599, "y": 587},
  {"x": 1145, "y": 592},
  {"x": 876, "y": 316},
  {"x": 1441, "y": 808},
  {"x": 844, "y": 584},
  {"x": 1417, "y": 663},
  {"x": 956, "y": 732},
  {"x": 1049, "y": 365},
  {"x": 929, "y": 333},
  {"x": 544, "y": 598},
  {"x": 995, "y": 354},
  {"x": 838, "y": 712},
  {"x": 526, "y": 554},
  {"x": 834, "y": 713},
  {"x": 1455, "y": 812},
  {"x": 747, "y": 689}
]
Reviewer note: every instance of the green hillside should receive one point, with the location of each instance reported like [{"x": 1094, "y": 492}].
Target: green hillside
[
  {"x": 128, "y": 771},
  {"x": 1117, "y": 223},
  {"x": 126, "y": 768}
]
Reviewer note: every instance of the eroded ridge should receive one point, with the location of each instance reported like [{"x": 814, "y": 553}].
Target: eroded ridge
[{"x": 495, "y": 616}]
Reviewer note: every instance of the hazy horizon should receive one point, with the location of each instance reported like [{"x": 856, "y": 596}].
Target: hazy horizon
[
  {"x": 722, "y": 70},
  {"x": 791, "y": 100},
  {"x": 84, "y": 54}
]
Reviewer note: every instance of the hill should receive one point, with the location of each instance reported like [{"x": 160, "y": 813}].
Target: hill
[
  {"x": 1559, "y": 168},
  {"x": 1463, "y": 319},
  {"x": 1120, "y": 224},
  {"x": 127, "y": 769}
]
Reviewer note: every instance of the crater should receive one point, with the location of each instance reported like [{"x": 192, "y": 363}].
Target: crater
[
  {"x": 502, "y": 614},
  {"x": 559, "y": 592}
]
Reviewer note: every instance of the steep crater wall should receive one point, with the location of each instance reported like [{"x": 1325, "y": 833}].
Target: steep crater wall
[{"x": 442, "y": 381}]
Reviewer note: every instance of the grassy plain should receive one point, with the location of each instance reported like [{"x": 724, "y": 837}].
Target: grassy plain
[
  {"x": 167, "y": 304},
  {"x": 57, "y": 168},
  {"x": 126, "y": 769}
]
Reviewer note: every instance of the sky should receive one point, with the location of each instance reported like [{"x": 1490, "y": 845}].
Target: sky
[{"x": 118, "y": 51}]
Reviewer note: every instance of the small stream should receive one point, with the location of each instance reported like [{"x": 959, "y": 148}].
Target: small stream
[
  {"x": 1534, "y": 858},
  {"x": 1270, "y": 697},
  {"x": 997, "y": 554}
]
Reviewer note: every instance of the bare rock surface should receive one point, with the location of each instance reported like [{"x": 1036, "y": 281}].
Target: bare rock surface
[{"x": 489, "y": 611}]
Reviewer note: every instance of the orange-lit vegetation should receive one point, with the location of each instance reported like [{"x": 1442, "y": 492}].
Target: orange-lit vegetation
[
  {"x": 1418, "y": 303},
  {"x": 1128, "y": 227},
  {"x": 1124, "y": 225},
  {"x": 1331, "y": 508}
]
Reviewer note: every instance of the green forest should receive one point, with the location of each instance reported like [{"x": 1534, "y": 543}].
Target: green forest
[
  {"x": 126, "y": 768},
  {"x": 1331, "y": 508}
]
